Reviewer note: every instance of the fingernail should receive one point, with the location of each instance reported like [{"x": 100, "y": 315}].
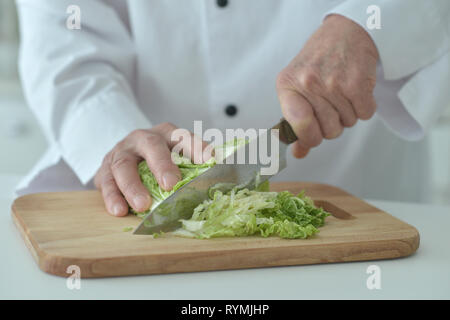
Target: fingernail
[
  {"x": 118, "y": 209},
  {"x": 141, "y": 202},
  {"x": 169, "y": 180}
]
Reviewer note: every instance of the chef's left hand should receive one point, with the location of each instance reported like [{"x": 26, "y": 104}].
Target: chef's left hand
[{"x": 329, "y": 84}]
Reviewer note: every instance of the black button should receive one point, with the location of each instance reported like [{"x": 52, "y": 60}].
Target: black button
[
  {"x": 222, "y": 3},
  {"x": 231, "y": 110}
]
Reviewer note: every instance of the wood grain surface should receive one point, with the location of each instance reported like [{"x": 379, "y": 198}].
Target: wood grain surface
[{"x": 72, "y": 228}]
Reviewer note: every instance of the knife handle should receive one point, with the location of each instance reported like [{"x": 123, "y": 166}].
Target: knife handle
[{"x": 287, "y": 135}]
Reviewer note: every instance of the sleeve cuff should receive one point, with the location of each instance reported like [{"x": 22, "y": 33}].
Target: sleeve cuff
[
  {"x": 404, "y": 44},
  {"x": 423, "y": 99},
  {"x": 95, "y": 128},
  {"x": 426, "y": 95}
]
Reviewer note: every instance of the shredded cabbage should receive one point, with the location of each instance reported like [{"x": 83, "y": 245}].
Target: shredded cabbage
[
  {"x": 127, "y": 229},
  {"x": 244, "y": 213},
  {"x": 188, "y": 171}
]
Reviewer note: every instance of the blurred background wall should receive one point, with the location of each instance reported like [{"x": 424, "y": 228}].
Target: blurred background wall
[
  {"x": 22, "y": 142},
  {"x": 21, "y": 139}
]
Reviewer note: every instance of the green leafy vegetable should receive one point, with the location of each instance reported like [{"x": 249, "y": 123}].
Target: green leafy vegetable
[
  {"x": 228, "y": 148},
  {"x": 237, "y": 212},
  {"x": 127, "y": 229},
  {"x": 188, "y": 171},
  {"x": 245, "y": 212}
]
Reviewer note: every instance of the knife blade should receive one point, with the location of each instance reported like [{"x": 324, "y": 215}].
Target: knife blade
[{"x": 223, "y": 176}]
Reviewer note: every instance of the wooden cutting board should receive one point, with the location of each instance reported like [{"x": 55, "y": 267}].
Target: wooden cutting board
[{"x": 72, "y": 228}]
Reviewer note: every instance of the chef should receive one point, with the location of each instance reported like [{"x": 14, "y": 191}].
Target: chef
[{"x": 360, "y": 82}]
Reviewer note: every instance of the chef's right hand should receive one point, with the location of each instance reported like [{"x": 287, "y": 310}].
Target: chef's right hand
[
  {"x": 329, "y": 85},
  {"x": 118, "y": 178}
]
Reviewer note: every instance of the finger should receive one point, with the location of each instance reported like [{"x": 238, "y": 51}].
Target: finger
[
  {"x": 191, "y": 146},
  {"x": 298, "y": 151},
  {"x": 362, "y": 99},
  {"x": 125, "y": 172},
  {"x": 342, "y": 105},
  {"x": 114, "y": 201},
  {"x": 346, "y": 112},
  {"x": 300, "y": 115},
  {"x": 365, "y": 107},
  {"x": 154, "y": 149},
  {"x": 328, "y": 117}
]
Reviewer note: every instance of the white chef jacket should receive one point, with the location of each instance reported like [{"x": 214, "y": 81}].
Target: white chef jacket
[{"x": 137, "y": 63}]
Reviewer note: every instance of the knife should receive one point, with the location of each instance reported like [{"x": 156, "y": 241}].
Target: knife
[{"x": 223, "y": 176}]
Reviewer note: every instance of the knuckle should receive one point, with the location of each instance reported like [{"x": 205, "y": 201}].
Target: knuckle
[
  {"x": 308, "y": 79},
  {"x": 111, "y": 194},
  {"x": 352, "y": 92},
  {"x": 138, "y": 134},
  {"x": 352, "y": 87},
  {"x": 119, "y": 162},
  {"x": 151, "y": 139},
  {"x": 332, "y": 84},
  {"x": 109, "y": 188},
  {"x": 285, "y": 79},
  {"x": 108, "y": 181},
  {"x": 130, "y": 188},
  {"x": 358, "y": 86},
  {"x": 166, "y": 127}
]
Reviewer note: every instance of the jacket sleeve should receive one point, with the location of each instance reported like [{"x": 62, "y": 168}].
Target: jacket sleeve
[
  {"x": 413, "y": 43},
  {"x": 79, "y": 82}
]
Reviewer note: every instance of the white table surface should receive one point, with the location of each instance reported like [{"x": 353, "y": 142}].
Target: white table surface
[{"x": 424, "y": 275}]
